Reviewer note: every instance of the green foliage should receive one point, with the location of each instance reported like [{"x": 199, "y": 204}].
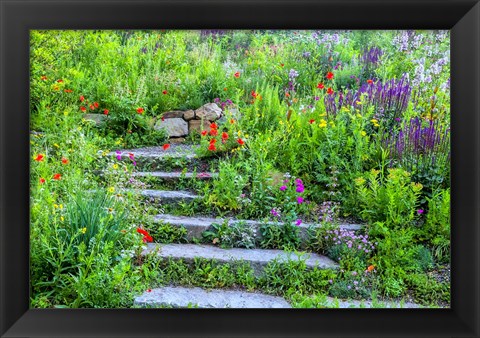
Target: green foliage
[
  {"x": 427, "y": 290},
  {"x": 280, "y": 236},
  {"x": 231, "y": 234},
  {"x": 167, "y": 233},
  {"x": 391, "y": 199}
]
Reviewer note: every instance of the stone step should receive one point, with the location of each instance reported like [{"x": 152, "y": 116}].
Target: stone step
[
  {"x": 182, "y": 297},
  {"x": 174, "y": 151},
  {"x": 353, "y": 303},
  {"x": 168, "y": 196},
  {"x": 170, "y": 176},
  {"x": 197, "y": 225},
  {"x": 256, "y": 258},
  {"x": 156, "y": 158}
]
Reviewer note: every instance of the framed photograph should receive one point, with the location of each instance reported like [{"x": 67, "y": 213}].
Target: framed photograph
[{"x": 234, "y": 168}]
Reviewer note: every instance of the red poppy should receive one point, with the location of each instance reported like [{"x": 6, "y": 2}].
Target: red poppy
[
  {"x": 143, "y": 232},
  {"x": 59, "y": 80},
  {"x": 92, "y": 107},
  {"x": 213, "y": 141},
  {"x": 329, "y": 91},
  {"x": 43, "y": 78},
  {"x": 311, "y": 121},
  {"x": 149, "y": 290},
  {"x": 204, "y": 132},
  {"x": 166, "y": 146},
  {"x": 287, "y": 94},
  {"x": 57, "y": 177},
  {"x": 369, "y": 81},
  {"x": 213, "y": 132},
  {"x": 82, "y": 98},
  {"x": 140, "y": 110},
  {"x": 212, "y": 147},
  {"x": 39, "y": 158},
  {"x": 105, "y": 111},
  {"x": 329, "y": 75},
  {"x": 320, "y": 85},
  {"x": 237, "y": 75},
  {"x": 240, "y": 142},
  {"x": 68, "y": 90},
  {"x": 83, "y": 109},
  {"x": 64, "y": 160},
  {"x": 213, "y": 125},
  {"x": 95, "y": 104},
  {"x": 224, "y": 136},
  {"x": 163, "y": 119},
  {"x": 164, "y": 92},
  {"x": 254, "y": 94},
  {"x": 42, "y": 180}
]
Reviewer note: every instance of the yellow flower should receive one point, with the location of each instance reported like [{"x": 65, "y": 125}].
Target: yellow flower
[
  {"x": 31, "y": 142},
  {"x": 115, "y": 166},
  {"x": 363, "y": 133},
  {"x": 118, "y": 142},
  {"x": 55, "y": 206},
  {"x": 56, "y": 145},
  {"x": 65, "y": 113},
  {"x": 61, "y": 218},
  {"x": 61, "y": 206},
  {"x": 111, "y": 189},
  {"x": 374, "y": 120},
  {"x": 322, "y": 124},
  {"x": 83, "y": 230},
  {"x": 360, "y": 181},
  {"x": 359, "y": 116}
]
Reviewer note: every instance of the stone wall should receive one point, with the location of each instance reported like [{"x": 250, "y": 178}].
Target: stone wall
[{"x": 179, "y": 123}]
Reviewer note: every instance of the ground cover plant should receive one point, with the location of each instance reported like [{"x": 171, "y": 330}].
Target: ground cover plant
[{"x": 317, "y": 129}]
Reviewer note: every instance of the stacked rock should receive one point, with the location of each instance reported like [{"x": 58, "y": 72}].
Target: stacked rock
[{"x": 179, "y": 123}]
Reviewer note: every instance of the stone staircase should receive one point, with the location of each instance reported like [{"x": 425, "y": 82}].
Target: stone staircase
[{"x": 167, "y": 165}]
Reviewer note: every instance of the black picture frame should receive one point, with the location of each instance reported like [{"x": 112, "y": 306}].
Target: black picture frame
[{"x": 19, "y": 16}]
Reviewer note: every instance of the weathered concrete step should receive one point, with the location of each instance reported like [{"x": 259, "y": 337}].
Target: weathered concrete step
[
  {"x": 174, "y": 151},
  {"x": 181, "y": 297},
  {"x": 256, "y": 258},
  {"x": 162, "y": 175},
  {"x": 197, "y": 225},
  {"x": 179, "y": 156},
  {"x": 352, "y": 303},
  {"x": 169, "y": 197}
]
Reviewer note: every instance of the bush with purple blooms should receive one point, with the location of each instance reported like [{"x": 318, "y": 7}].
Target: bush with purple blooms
[{"x": 351, "y": 250}]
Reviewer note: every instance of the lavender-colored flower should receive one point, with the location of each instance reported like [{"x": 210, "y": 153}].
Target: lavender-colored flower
[
  {"x": 275, "y": 212},
  {"x": 306, "y": 55},
  {"x": 292, "y": 75}
]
